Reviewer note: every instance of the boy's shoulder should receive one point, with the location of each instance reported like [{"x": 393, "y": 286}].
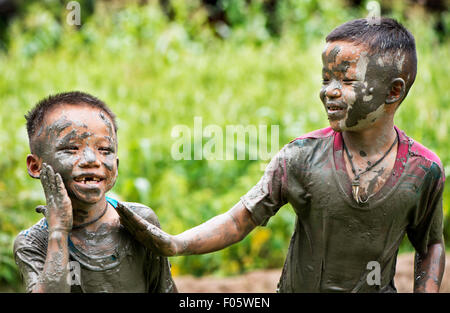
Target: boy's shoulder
[
  {"x": 36, "y": 236},
  {"x": 143, "y": 211},
  {"x": 416, "y": 149},
  {"x": 307, "y": 144},
  {"x": 317, "y": 134},
  {"x": 427, "y": 158}
]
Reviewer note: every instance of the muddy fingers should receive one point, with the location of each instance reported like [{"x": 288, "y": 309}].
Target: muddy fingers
[
  {"x": 131, "y": 219},
  {"x": 146, "y": 233},
  {"x": 58, "y": 211}
]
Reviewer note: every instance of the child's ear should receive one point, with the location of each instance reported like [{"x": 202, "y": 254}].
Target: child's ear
[
  {"x": 397, "y": 91},
  {"x": 34, "y": 165}
]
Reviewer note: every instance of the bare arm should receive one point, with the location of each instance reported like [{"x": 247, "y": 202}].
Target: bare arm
[
  {"x": 217, "y": 233},
  {"x": 429, "y": 269},
  {"x": 54, "y": 277}
]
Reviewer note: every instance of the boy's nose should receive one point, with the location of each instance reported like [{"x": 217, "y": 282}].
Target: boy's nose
[
  {"x": 89, "y": 158},
  {"x": 333, "y": 92}
]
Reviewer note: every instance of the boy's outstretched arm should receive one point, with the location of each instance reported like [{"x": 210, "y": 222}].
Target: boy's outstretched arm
[
  {"x": 429, "y": 268},
  {"x": 217, "y": 233}
]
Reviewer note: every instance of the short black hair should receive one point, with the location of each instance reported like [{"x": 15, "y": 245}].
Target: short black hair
[
  {"x": 386, "y": 36},
  {"x": 35, "y": 116}
]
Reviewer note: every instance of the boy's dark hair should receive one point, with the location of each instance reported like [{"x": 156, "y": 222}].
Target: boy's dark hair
[
  {"x": 387, "y": 37},
  {"x": 35, "y": 117}
]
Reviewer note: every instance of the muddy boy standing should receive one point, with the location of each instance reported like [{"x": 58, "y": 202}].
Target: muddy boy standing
[
  {"x": 73, "y": 141},
  {"x": 356, "y": 187}
]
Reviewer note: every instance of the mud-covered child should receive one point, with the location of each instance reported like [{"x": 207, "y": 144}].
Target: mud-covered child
[
  {"x": 356, "y": 187},
  {"x": 80, "y": 245}
]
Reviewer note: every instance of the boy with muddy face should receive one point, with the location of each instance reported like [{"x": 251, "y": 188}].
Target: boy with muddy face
[
  {"x": 356, "y": 187},
  {"x": 80, "y": 245}
]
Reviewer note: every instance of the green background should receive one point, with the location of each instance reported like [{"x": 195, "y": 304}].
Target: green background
[{"x": 158, "y": 70}]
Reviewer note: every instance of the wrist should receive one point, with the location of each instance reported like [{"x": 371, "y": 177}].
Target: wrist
[
  {"x": 59, "y": 230},
  {"x": 178, "y": 246}
]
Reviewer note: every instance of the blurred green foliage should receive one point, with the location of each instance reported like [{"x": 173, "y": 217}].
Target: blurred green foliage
[{"x": 156, "y": 73}]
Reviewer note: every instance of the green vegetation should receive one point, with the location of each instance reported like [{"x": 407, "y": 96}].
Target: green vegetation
[{"x": 157, "y": 73}]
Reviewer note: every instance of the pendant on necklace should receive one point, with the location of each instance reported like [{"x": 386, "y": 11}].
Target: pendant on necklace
[{"x": 355, "y": 189}]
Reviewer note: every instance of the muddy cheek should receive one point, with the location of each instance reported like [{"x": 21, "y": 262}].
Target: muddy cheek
[
  {"x": 64, "y": 164},
  {"x": 110, "y": 165},
  {"x": 375, "y": 101},
  {"x": 360, "y": 108},
  {"x": 372, "y": 93},
  {"x": 111, "y": 183},
  {"x": 355, "y": 114},
  {"x": 373, "y": 97}
]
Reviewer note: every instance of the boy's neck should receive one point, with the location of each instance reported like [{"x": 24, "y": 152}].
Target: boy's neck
[
  {"x": 371, "y": 141},
  {"x": 86, "y": 212}
]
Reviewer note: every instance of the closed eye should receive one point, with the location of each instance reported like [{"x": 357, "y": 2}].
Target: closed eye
[
  {"x": 106, "y": 150},
  {"x": 348, "y": 81},
  {"x": 69, "y": 149}
]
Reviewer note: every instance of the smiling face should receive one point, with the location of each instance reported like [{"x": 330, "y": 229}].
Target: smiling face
[
  {"x": 80, "y": 143},
  {"x": 355, "y": 85}
]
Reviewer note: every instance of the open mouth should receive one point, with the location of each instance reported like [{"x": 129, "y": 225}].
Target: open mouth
[
  {"x": 336, "y": 111},
  {"x": 88, "y": 179},
  {"x": 333, "y": 108}
]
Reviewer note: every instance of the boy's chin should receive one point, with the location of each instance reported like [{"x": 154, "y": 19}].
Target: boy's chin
[
  {"x": 339, "y": 126},
  {"x": 86, "y": 199},
  {"x": 336, "y": 126}
]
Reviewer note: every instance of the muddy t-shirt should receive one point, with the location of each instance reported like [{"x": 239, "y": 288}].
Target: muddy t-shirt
[
  {"x": 335, "y": 238},
  {"x": 129, "y": 267}
]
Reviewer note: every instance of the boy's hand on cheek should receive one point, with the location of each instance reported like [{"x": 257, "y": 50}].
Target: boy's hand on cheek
[
  {"x": 59, "y": 207},
  {"x": 146, "y": 233}
]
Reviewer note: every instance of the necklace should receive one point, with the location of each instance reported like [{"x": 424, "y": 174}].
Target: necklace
[
  {"x": 355, "y": 181},
  {"x": 94, "y": 220}
]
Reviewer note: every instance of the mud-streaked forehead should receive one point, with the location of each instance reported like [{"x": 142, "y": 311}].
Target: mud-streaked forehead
[
  {"x": 347, "y": 51},
  {"x": 81, "y": 116},
  {"x": 343, "y": 51}
]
